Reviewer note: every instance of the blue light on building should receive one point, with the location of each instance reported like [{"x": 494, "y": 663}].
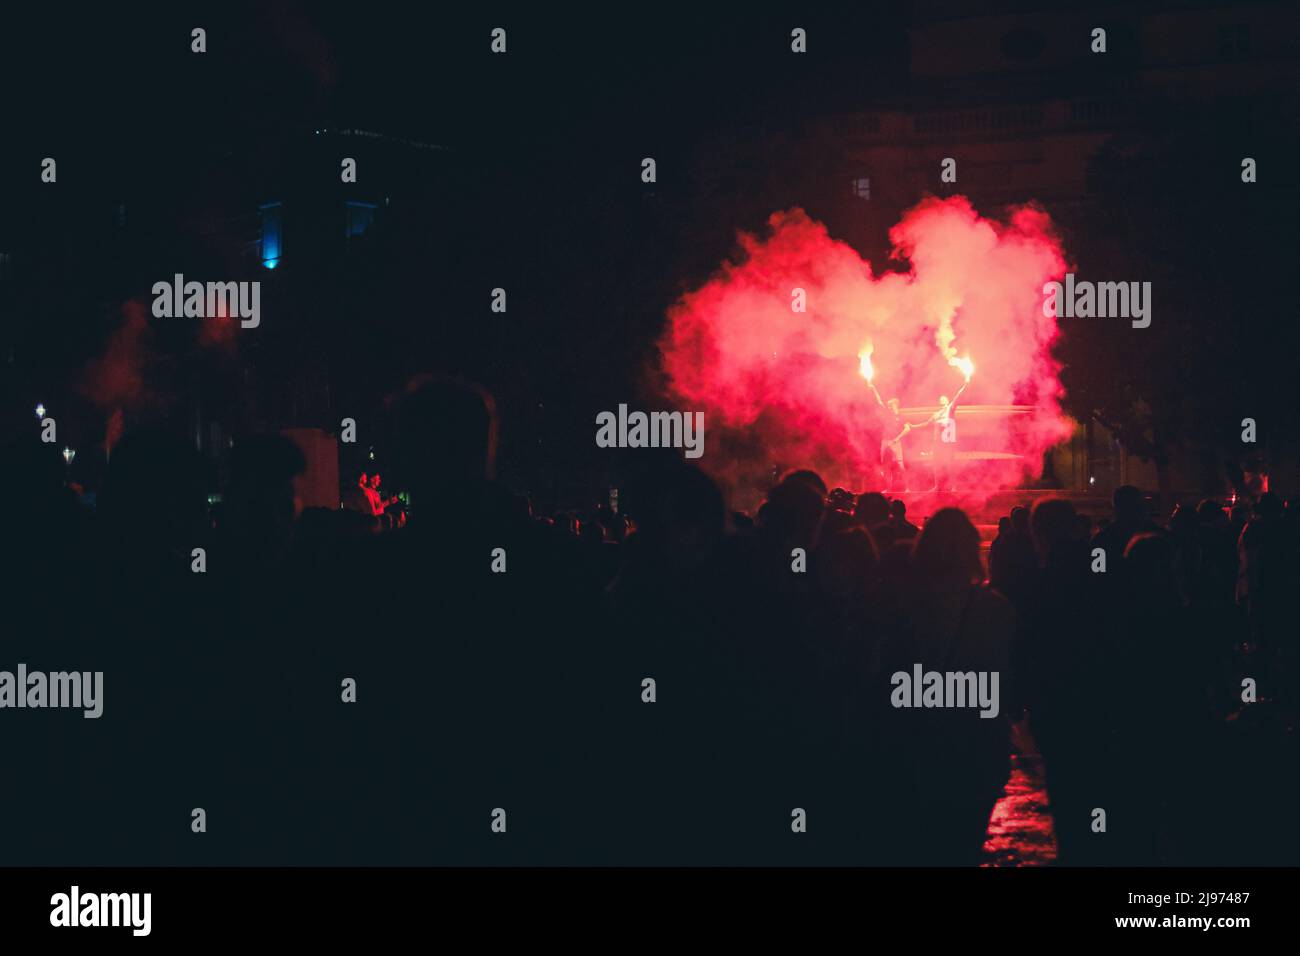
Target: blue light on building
[{"x": 272, "y": 234}]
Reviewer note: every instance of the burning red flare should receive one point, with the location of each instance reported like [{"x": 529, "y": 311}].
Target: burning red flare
[
  {"x": 864, "y": 365},
  {"x": 780, "y": 387}
]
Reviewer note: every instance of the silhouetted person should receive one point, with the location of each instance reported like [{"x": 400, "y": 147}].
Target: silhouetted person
[
  {"x": 944, "y": 439},
  {"x": 1162, "y": 736},
  {"x": 1071, "y": 687},
  {"x": 1013, "y": 565},
  {"x": 791, "y": 518},
  {"x": 357, "y": 498},
  {"x": 260, "y": 503},
  {"x": 1267, "y": 577},
  {"x": 1130, "y": 518},
  {"x": 904, "y": 530},
  {"x": 673, "y": 608},
  {"x": 891, "y": 443},
  {"x": 168, "y": 655},
  {"x": 956, "y": 761},
  {"x": 872, "y": 512}
]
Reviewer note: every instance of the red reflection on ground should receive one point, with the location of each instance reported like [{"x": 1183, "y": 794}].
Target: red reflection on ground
[{"x": 1020, "y": 829}]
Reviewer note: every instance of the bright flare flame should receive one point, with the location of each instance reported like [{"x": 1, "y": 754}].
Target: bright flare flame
[
  {"x": 864, "y": 364},
  {"x": 965, "y": 364}
]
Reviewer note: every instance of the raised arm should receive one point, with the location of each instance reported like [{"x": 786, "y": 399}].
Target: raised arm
[
  {"x": 953, "y": 403},
  {"x": 877, "y": 394}
]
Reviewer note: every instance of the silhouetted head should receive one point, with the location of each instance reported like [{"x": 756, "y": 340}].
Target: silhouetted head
[
  {"x": 809, "y": 478},
  {"x": 872, "y": 509},
  {"x": 1128, "y": 504},
  {"x": 446, "y": 436},
  {"x": 943, "y": 401},
  {"x": 898, "y": 508},
  {"x": 949, "y": 546},
  {"x": 1055, "y": 527},
  {"x": 840, "y": 499},
  {"x": 683, "y": 515},
  {"x": 892, "y": 404},
  {"x": 155, "y": 492},
  {"x": 792, "y": 513},
  {"x": 1020, "y": 519},
  {"x": 1004, "y": 525}
]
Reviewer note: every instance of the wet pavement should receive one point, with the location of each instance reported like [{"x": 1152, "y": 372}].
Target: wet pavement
[{"x": 1020, "y": 829}]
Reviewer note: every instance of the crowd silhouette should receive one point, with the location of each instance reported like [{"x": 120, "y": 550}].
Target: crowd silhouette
[{"x": 658, "y": 685}]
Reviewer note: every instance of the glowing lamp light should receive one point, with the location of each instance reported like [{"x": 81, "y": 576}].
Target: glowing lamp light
[
  {"x": 864, "y": 365},
  {"x": 270, "y": 263},
  {"x": 40, "y": 411},
  {"x": 68, "y": 455}
]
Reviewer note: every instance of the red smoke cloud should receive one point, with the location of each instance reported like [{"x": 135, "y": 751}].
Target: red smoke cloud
[
  {"x": 781, "y": 388},
  {"x": 116, "y": 378},
  {"x": 122, "y": 380}
]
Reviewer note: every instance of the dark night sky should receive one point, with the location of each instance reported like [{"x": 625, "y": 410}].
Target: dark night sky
[
  {"x": 543, "y": 147},
  {"x": 540, "y": 177},
  {"x": 579, "y": 83}
]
